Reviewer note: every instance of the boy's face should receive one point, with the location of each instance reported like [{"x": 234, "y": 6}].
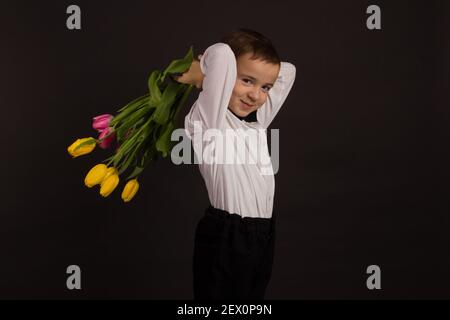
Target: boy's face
[{"x": 253, "y": 82}]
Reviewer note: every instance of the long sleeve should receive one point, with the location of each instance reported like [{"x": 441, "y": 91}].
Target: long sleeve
[
  {"x": 243, "y": 187},
  {"x": 277, "y": 94},
  {"x": 218, "y": 64}
]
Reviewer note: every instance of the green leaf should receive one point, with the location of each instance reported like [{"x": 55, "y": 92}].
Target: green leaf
[
  {"x": 126, "y": 163},
  {"x": 130, "y": 108},
  {"x": 109, "y": 158},
  {"x": 146, "y": 158},
  {"x": 163, "y": 144},
  {"x": 117, "y": 159},
  {"x": 153, "y": 86},
  {"x": 180, "y": 102},
  {"x": 134, "y": 102},
  {"x": 137, "y": 171},
  {"x": 180, "y": 65},
  {"x": 161, "y": 114}
]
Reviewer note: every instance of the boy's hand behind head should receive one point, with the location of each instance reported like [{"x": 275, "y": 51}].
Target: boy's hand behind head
[{"x": 193, "y": 76}]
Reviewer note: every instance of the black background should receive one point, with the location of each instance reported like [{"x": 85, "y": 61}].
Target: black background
[{"x": 364, "y": 148}]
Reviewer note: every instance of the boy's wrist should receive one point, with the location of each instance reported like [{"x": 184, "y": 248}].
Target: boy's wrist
[{"x": 197, "y": 74}]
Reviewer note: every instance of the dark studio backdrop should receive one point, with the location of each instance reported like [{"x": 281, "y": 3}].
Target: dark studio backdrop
[{"x": 364, "y": 148}]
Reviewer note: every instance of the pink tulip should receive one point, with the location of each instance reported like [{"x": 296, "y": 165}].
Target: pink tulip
[
  {"x": 108, "y": 141},
  {"x": 101, "y": 122}
]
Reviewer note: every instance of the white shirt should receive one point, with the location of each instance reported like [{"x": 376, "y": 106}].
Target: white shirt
[{"x": 245, "y": 189}]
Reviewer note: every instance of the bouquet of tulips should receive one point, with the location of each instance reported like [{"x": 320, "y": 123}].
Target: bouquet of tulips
[{"x": 140, "y": 131}]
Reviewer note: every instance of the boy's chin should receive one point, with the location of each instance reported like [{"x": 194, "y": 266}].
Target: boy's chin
[{"x": 240, "y": 112}]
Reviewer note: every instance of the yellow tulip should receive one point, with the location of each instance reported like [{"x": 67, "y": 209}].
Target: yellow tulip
[
  {"x": 130, "y": 190},
  {"x": 109, "y": 172},
  {"x": 85, "y": 149},
  {"x": 95, "y": 175},
  {"x": 109, "y": 184}
]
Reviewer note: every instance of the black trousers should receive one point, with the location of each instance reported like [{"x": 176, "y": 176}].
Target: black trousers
[{"x": 233, "y": 256}]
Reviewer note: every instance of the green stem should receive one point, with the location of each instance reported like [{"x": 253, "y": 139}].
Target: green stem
[{"x": 183, "y": 100}]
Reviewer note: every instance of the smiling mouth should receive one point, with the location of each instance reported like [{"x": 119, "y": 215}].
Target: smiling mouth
[{"x": 246, "y": 104}]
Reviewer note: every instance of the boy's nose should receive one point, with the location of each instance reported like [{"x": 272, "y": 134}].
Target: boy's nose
[{"x": 254, "y": 94}]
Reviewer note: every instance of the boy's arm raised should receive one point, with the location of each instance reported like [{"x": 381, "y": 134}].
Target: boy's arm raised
[
  {"x": 218, "y": 65},
  {"x": 277, "y": 94}
]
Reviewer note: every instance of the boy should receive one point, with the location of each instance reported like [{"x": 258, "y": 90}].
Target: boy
[{"x": 244, "y": 84}]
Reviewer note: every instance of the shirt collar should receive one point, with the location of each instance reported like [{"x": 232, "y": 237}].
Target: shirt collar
[{"x": 251, "y": 117}]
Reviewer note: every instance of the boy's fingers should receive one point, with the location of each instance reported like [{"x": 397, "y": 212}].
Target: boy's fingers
[
  {"x": 182, "y": 78},
  {"x": 177, "y": 77}
]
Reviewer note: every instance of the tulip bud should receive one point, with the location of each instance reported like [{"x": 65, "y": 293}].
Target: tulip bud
[
  {"x": 101, "y": 122},
  {"x": 109, "y": 172},
  {"x": 130, "y": 190},
  {"x": 95, "y": 175},
  {"x": 106, "y": 142},
  {"x": 76, "y": 151},
  {"x": 109, "y": 184}
]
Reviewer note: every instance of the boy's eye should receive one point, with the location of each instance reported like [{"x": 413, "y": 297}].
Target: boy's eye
[{"x": 249, "y": 81}]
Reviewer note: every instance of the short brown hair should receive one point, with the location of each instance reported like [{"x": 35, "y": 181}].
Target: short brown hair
[{"x": 243, "y": 41}]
